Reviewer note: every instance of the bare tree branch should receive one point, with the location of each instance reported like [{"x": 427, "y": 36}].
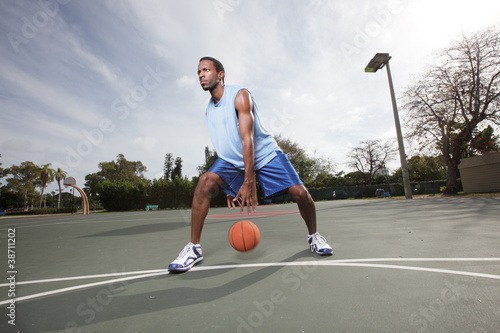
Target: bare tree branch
[{"x": 456, "y": 98}]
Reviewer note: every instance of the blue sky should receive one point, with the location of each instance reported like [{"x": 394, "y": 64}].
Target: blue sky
[{"x": 84, "y": 81}]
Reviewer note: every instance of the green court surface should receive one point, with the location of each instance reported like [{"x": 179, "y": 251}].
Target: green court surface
[{"x": 421, "y": 265}]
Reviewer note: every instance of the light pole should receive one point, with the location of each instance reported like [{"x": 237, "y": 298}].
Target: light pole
[{"x": 380, "y": 60}]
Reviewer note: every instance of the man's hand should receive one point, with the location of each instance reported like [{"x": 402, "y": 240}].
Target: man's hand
[
  {"x": 246, "y": 196},
  {"x": 230, "y": 202}
]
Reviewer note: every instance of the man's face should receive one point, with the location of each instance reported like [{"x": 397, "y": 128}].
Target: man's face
[{"x": 209, "y": 78}]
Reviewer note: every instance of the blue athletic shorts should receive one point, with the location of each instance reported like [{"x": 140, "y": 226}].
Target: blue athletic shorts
[{"x": 275, "y": 177}]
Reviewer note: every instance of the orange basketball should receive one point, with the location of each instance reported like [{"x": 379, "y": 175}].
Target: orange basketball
[{"x": 244, "y": 236}]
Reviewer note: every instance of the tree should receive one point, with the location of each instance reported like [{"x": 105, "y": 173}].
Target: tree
[
  {"x": 174, "y": 193},
  {"x": 1, "y": 169},
  {"x": 210, "y": 158},
  {"x": 92, "y": 182},
  {"x": 425, "y": 168},
  {"x": 326, "y": 179},
  {"x": 122, "y": 195},
  {"x": 370, "y": 158},
  {"x": 307, "y": 168},
  {"x": 177, "y": 172},
  {"x": 90, "y": 188},
  {"x": 483, "y": 142},
  {"x": 23, "y": 180},
  {"x": 59, "y": 175},
  {"x": 9, "y": 198},
  {"x": 355, "y": 178},
  {"x": 122, "y": 170},
  {"x": 168, "y": 166},
  {"x": 298, "y": 157},
  {"x": 46, "y": 177},
  {"x": 454, "y": 98}
]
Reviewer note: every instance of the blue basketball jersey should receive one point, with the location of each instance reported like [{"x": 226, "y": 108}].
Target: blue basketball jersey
[{"x": 224, "y": 130}]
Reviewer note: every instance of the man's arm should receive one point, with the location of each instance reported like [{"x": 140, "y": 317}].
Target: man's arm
[{"x": 244, "y": 106}]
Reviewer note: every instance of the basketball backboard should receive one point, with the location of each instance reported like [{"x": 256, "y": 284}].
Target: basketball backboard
[{"x": 70, "y": 181}]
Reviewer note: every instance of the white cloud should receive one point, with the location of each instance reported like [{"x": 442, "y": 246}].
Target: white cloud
[
  {"x": 187, "y": 81},
  {"x": 65, "y": 81},
  {"x": 145, "y": 143}
]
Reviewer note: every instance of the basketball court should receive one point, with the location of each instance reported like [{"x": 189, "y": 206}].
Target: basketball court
[{"x": 421, "y": 265}]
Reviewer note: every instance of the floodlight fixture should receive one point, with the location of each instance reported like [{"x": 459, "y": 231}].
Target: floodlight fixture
[{"x": 378, "y": 62}]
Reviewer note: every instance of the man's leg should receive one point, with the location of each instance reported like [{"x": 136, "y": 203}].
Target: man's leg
[
  {"x": 306, "y": 205},
  {"x": 207, "y": 185},
  {"x": 307, "y": 209},
  {"x": 191, "y": 254}
]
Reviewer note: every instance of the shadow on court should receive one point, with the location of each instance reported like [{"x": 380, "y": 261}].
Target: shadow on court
[
  {"x": 404, "y": 266},
  {"x": 74, "y": 310},
  {"x": 140, "y": 229}
]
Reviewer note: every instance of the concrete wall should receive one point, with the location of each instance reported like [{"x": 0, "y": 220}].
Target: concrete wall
[{"x": 481, "y": 173}]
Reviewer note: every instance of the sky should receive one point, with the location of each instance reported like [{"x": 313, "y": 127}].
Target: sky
[{"x": 84, "y": 81}]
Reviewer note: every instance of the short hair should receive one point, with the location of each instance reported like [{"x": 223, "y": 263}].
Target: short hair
[{"x": 218, "y": 65}]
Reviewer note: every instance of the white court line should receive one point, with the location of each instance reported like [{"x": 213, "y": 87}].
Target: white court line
[
  {"x": 83, "y": 286},
  {"x": 84, "y": 277},
  {"x": 344, "y": 263},
  {"x": 297, "y": 263},
  {"x": 348, "y": 263}
]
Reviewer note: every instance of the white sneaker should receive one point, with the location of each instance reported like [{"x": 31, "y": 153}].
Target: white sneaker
[
  {"x": 319, "y": 245},
  {"x": 190, "y": 255}
]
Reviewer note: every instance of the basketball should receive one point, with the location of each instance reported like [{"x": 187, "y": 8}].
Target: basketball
[{"x": 244, "y": 236}]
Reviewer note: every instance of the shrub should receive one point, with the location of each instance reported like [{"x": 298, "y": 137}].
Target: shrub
[
  {"x": 122, "y": 195},
  {"x": 43, "y": 211}
]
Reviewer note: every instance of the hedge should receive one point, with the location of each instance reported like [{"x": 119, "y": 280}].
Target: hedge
[{"x": 43, "y": 211}]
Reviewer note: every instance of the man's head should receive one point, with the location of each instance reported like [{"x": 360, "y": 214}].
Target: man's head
[{"x": 210, "y": 73}]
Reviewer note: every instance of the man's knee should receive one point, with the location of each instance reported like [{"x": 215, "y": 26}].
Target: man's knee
[
  {"x": 299, "y": 193},
  {"x": 208, "y": 183}
]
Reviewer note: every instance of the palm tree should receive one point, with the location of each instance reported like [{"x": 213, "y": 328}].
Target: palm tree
[
  {"x": 59, "y": 175},
  {"x": 46, "y": 176}
]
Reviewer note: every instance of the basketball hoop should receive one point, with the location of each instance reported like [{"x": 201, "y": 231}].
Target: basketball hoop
[{"x": 70, "y": 181}]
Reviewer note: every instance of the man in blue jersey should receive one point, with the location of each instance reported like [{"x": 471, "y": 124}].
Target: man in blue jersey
[{"x": 245, "y": 149}]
